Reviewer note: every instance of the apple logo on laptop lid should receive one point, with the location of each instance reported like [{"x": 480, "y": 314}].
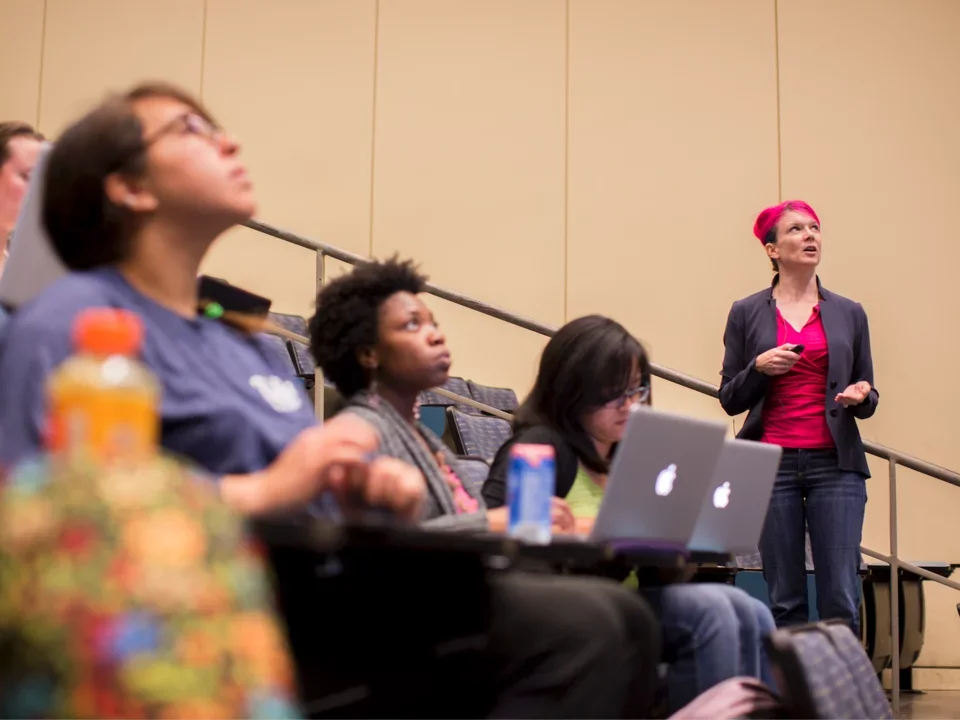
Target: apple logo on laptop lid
[
  {"x": 721, "y": 496},
  {"x": 665, "y": 480}
]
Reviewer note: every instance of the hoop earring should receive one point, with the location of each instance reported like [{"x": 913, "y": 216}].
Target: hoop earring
[{"x": 373, "y": 392}]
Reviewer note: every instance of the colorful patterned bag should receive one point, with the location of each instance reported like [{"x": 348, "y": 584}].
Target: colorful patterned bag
[{"x": 133, "y": 593}]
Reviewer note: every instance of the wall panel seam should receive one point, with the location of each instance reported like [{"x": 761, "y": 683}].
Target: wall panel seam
[
  {"x": 373, "y": 119},
  {"x": 776, "y": 61},
  {"x": 203, "y": 46},
  {"x": 43, "y": 47}
]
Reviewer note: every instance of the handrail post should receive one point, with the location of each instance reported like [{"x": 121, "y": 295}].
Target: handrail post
[
  {"x": 317, "y": 372},
  {"x": 894, "y": 592}
]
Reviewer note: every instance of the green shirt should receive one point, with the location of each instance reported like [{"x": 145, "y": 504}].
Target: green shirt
[
  {"x": 585, "y": 495},
  {"x": 584, "y": 500}
]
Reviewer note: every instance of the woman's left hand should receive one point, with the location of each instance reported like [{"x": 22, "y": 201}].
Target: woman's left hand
[
  {"x": 583, "y": 525},
  {"x": 854, "y": 394}
]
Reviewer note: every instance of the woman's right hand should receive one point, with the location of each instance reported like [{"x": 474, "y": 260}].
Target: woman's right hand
[
  {"x": 777, "y": 361},
  {"x": 333, "y": 457}
]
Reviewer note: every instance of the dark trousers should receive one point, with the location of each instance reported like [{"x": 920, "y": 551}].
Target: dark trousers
[
  {"x": 571, "y": 647},
  {"x": 811, "y": 491},
  {"x": 424, "y": 634}
]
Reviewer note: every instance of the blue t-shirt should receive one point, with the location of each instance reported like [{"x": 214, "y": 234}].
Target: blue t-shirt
[{"x": 229, "y": 403}]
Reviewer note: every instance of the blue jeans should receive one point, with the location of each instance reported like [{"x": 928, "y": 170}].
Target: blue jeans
[
  {"x": 812, "y": 491},
  {"x": 711, "y": 632}
]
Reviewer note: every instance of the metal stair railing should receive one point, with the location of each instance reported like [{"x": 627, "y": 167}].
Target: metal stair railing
[{"x": 893, "y": 457}]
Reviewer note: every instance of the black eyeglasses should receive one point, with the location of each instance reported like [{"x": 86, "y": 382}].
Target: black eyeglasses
[
  {"x": 639, "y": 394},
  {"x": 189, "y": 123}
]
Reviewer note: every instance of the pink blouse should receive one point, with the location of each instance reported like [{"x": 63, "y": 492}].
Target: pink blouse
[{"x": 795, "y": 412}]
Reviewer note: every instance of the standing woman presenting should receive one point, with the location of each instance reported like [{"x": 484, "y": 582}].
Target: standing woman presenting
[{"x": 797, "y": 357}]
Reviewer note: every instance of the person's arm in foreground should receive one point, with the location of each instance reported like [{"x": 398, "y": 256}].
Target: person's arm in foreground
[{"x": 330, "y": 458}]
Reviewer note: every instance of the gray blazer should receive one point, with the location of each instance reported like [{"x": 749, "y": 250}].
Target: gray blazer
[
  {"x": 752, "y": 330},
  {"x": 397, "y": 440}
]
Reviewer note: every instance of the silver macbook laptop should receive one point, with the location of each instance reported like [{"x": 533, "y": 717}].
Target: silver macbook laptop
[
  {"x": 734, "y": 509},
  {"x": 660, "y": 475},
  {"x": 33, "y": 264}
]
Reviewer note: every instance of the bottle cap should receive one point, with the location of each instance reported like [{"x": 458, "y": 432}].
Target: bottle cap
[{"x": 108, "y": 331}]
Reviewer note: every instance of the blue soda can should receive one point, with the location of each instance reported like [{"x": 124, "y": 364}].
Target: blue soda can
[{"x": 531, "y": 481}]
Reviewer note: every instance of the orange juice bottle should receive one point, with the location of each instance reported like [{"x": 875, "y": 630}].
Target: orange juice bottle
[{"x": 103, "y": 402}]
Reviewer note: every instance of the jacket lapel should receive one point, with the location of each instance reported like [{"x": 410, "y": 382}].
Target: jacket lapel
[
  {"x": 832, "y": 327},
  {"x": 768, "y": 326}
]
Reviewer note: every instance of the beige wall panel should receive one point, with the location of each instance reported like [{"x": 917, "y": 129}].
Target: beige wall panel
[
  {"x": 870, "y": 106},
  {"x": 469, "y": 163},
  {"x": 21, "y": 46},
  {"x": 93, "y": 47},
  {"x": 293, "y": 79},
  {"x": 334, "y": 269},
  {"x": 673, "y": 150}
]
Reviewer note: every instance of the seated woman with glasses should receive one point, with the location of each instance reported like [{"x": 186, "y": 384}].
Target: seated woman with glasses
[{"x": 591, "y": 374}]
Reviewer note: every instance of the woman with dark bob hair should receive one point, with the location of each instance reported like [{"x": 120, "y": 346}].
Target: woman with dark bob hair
[
  {"x": 592, "y": 373},
  {"x": 379, "y": 343}
]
